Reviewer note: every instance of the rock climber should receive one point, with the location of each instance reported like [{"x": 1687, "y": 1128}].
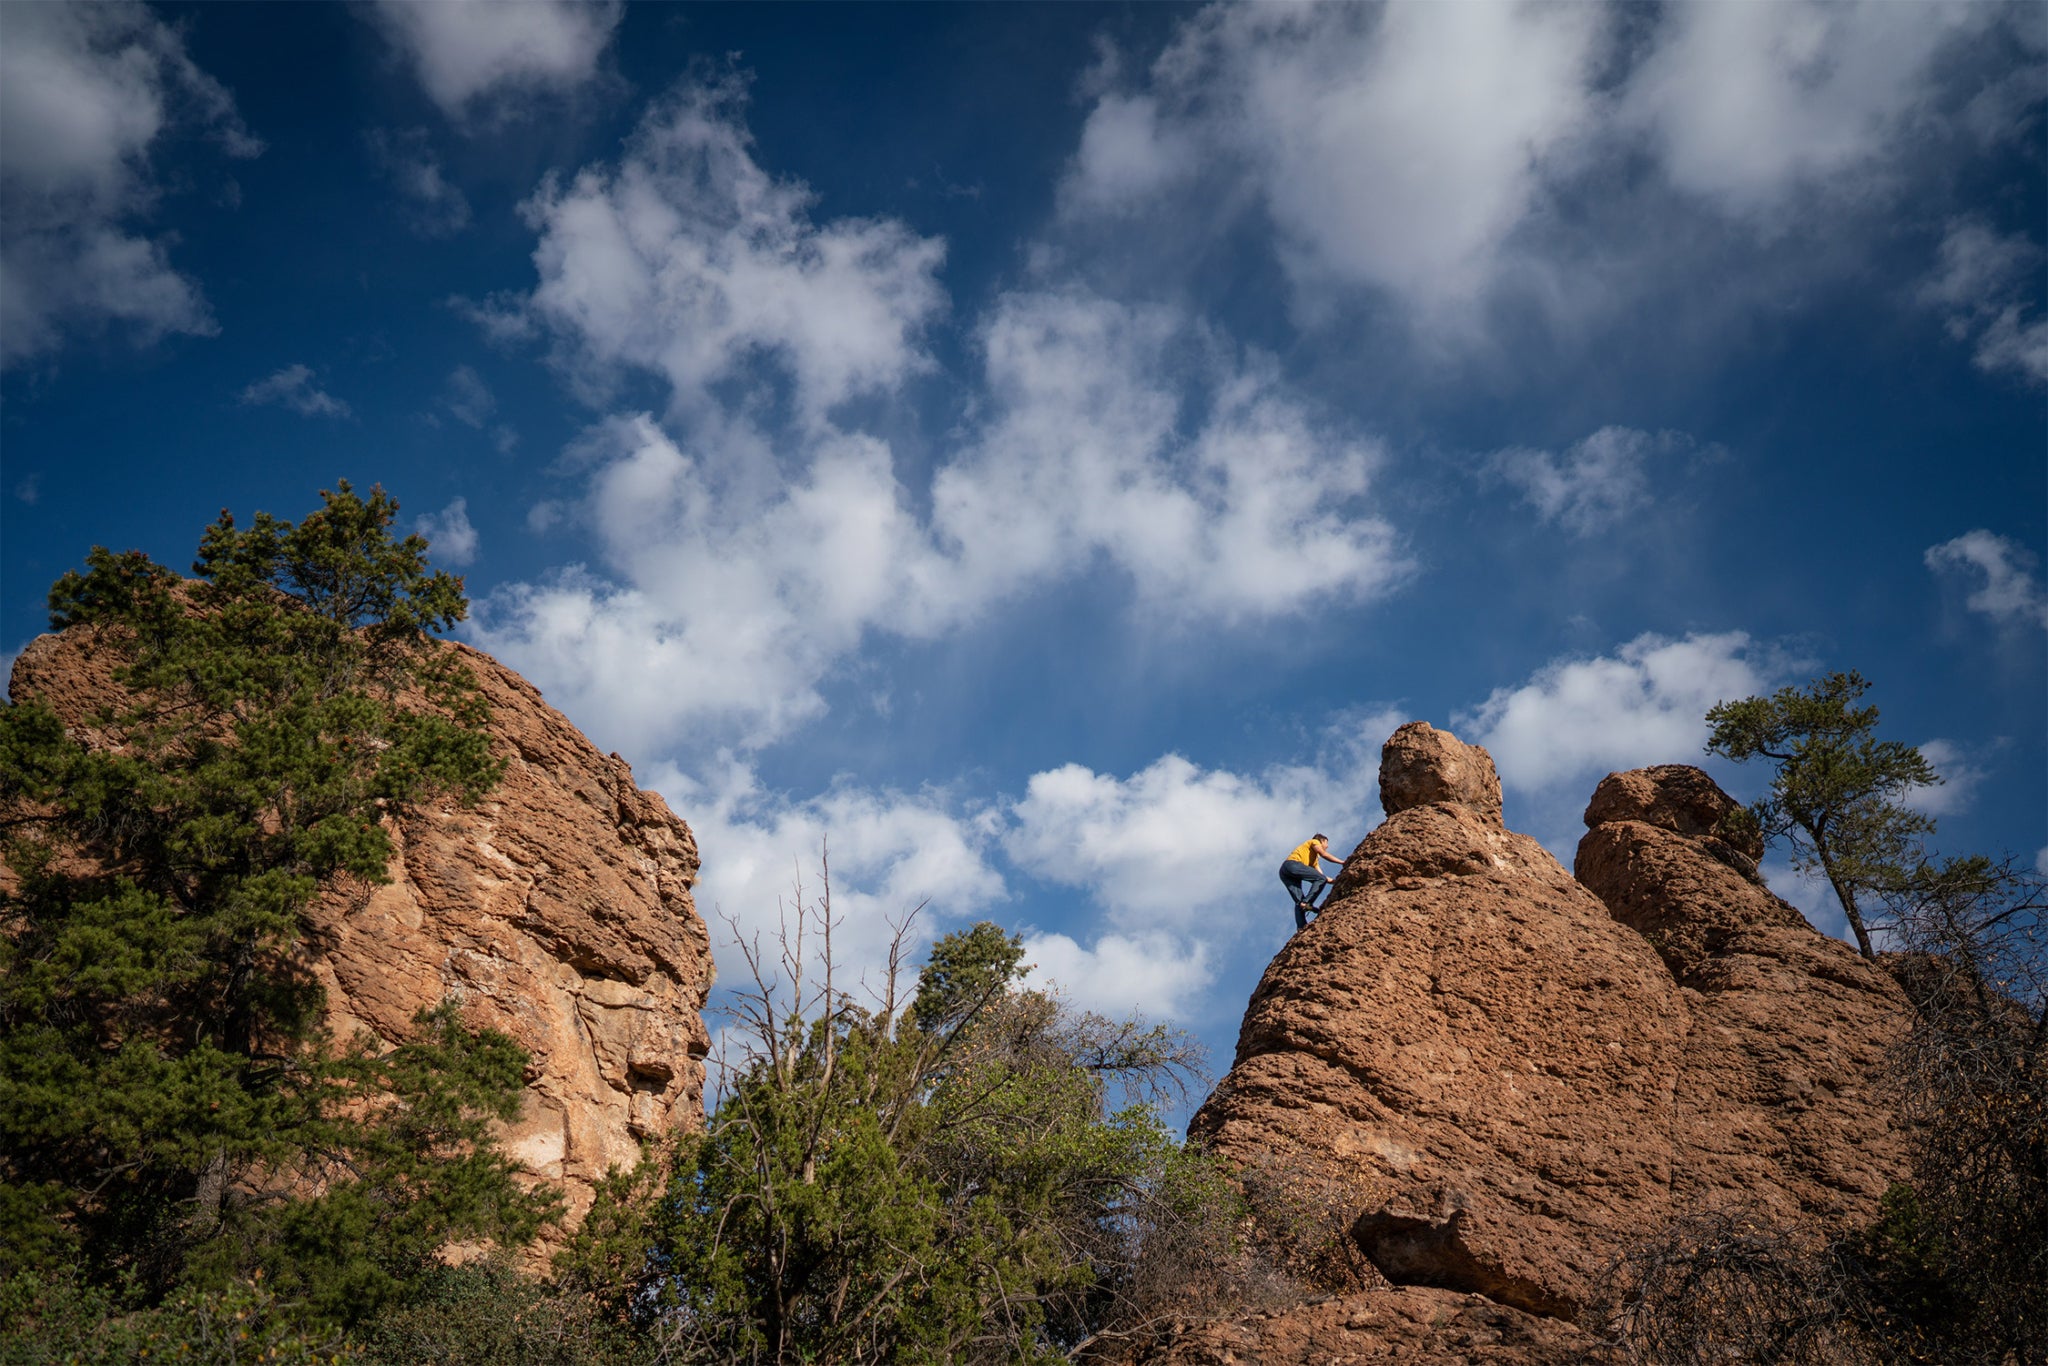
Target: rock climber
[{"x": 1302, "y": 875}]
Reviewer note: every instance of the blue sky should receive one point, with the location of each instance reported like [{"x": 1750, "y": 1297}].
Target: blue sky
[{"x": 1047, "y": 449}]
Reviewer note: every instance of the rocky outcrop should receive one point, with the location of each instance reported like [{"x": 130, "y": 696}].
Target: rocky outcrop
[
  {"x": 558, "y": 911},
  {"x": 1774, "y": 1102},
  {"x": 1536, "y": 1070}
]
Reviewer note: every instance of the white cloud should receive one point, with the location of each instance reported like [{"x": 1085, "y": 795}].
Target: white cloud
[
  {"x": 1960, "y": 779},
  {"x": 453, "y": 538},
  {"x": 1257, "y": 512},
  {"x": 890, "y": 852},
  {"x": 85, "y": 92},
  {"x": 2011, "y": 593},
  {"x": 1218, "y": 496},
  {"x": 1749, "y": 103},
  {"x": 1155, "y": 975},
  {"x": 1394, "y": 147},
  {"x": 1174, "y": 845},
  {"x": 470, "y": 53},
  {"x": 736, "y": 601},
  {"x": 1452, "y": 156},
  {"x": 688, "y": 261},
  {"x": 432, "y": 204},
  {"x": 1577, "y": 719},
  {"x": 744, "y": 550},
  {"x": 1596, "y": 483},
  {"x": 1125, "y": 157},
  {"x": 1181, "y": 858},
  {"x": 1986, "y": 283},
  {"x": 293, "y": 388},
  {"x": 2041, "y": 861}
]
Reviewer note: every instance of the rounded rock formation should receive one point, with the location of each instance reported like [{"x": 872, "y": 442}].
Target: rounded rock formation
[
  {"x": 1529, "y": 1072},
  {"x": 557, "y": 911}
]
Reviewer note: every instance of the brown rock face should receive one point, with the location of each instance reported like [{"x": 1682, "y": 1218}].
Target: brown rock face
[
  {"x": 557, "y": 911},
  {"x": 1420, "y": 764},
  {"x": 1538, "y": 1071},
  {"x": 1774, "y": 1101}
]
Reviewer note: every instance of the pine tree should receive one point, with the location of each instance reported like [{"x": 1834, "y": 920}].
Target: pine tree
[
  {"x": 1837, "y": 791},
  {"x": 169, "y": 1111}
]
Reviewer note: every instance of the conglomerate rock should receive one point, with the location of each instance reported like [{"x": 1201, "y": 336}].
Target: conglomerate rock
[
  {"x": 1535, "y": 1071},
  {"x": 558, "y": 910}
]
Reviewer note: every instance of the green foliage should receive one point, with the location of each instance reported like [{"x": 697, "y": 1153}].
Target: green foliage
[
  {"x": 60, "y": 1319},
  {"x": 487, "y": 1314},
  {"x": 169, "y": 1114},
  {"x": 947, "y": 1183},
  {"x": 1836, "y": 794},
  {"x": 963, "y": 974}
]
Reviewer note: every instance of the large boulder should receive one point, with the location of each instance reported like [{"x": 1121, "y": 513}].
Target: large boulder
[
  {"x": 1775, "y": 1102},
  {"x": 1530, "y": 1072},
  {"x": 558, "y": 911}
]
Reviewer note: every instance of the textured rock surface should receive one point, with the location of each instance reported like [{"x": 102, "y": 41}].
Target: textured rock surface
[
  {"x": 1527, "y": 1076},
  {"x": 1411, "y": 1324},
  {"x": 1774, "y": 1102},
  {"x": 558, "y": 911}
]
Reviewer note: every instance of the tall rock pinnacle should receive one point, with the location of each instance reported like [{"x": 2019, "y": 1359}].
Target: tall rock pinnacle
[{"x": 1526, "y": 1071}]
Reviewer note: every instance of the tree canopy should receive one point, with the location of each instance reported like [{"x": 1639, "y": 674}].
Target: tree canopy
[
  {"x": 1837, "y": 791},
  {"x": 171, "y": 1117}
]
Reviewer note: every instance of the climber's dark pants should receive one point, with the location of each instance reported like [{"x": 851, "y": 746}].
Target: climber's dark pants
[{"x": 1300, "y": 880}]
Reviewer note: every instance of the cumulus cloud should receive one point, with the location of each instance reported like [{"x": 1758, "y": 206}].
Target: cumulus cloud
[
  {"x": 469, "y": 54},
  {"x": 1443, "y": 155},
  {"x": 1181, "y": 859},
  {"x": 1576, "y": 719},
  {"x": 453, "y": 538},
  {"x": 773, "y": 541},
  {"x": 1395, "y": 147},
  {"x": 1155, "y": 975},
  {"x": 2010, "y": 592},
  {"x": 433, "y": 205},
  {"x": 1748, "y": 103},
  {"x": 1174, "y": 854},
  {"x": 689, "y": 261},
  {"x": 1173, "y": 844},
  {"x": 731, "y": 602},
  {"x": 293, "y": 387},
  {"x": 1593, "y": 485},
  {"x": 1259, "y": 512},
  {"x": 85, "y": 93},
  {"x": 890, "y": 853},
  {"x": 729, "y": 599},
  {"x": 1987, "y": 284},
  {"x": 1960, "y": 779}
]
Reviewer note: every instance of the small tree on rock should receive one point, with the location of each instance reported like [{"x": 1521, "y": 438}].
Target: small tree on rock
[{"x": 1837, "y": 795}]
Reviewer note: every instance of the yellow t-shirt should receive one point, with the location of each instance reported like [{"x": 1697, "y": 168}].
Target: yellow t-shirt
[{"x": 1306, "y": 854}]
